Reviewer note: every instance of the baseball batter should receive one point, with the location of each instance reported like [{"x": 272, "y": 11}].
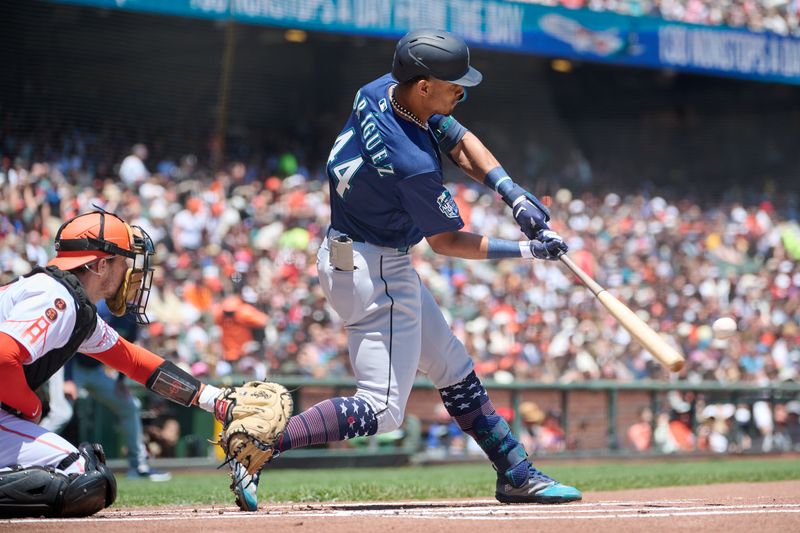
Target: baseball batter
[
  {"x": 45, "y": 318},
  {"x": 387, "y": 194}
]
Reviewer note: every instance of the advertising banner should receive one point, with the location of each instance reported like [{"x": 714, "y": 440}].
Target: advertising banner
[{"x": 516, "y": 27}]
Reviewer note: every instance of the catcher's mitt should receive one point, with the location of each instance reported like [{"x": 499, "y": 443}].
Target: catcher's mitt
[{"x": 253, "y": 418}]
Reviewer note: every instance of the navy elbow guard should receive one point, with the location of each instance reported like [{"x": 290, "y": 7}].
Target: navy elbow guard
[{"x": 447, "y": 131}]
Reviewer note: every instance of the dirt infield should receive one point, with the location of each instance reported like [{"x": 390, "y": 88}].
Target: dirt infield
[{"x": 732, "y": 508}]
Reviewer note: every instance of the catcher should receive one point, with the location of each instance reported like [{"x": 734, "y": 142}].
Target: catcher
[{"x": 46, "y": 317}]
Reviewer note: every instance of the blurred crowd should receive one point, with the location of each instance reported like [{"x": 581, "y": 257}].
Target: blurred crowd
[
  {"x": 777, "y": 16},
  {"x": 235, "y": 289},
  {"x": 717, "y": 427},
  {"x": 683, "y": 423}
]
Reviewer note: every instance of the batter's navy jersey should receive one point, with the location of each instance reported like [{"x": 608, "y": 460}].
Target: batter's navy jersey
[{"x": 385, "y": 175}]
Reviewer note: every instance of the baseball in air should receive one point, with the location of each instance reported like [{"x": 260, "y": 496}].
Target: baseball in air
[{"x": 724, "y": 328}]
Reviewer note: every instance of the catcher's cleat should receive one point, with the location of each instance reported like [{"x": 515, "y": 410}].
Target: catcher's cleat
[
  {"x": 526, "y": 484},
  {"x": 244, "y": 487}
]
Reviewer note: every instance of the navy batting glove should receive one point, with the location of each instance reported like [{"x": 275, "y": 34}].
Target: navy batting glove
[
  {"x": 531, "y": 218},
  {"x": 548, "y": 246},
  {"x": 531, "y": 215}
]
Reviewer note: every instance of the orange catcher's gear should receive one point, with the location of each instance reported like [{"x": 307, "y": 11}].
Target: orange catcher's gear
[{"x": 90, "y": 237}]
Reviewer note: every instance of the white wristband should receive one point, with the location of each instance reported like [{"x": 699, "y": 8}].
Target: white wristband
[
  {"x": 207, "y": 398},
  {"x": 525, "y": 249}
]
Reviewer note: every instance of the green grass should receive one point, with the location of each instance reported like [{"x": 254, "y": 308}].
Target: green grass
[{"x": 454, "y": 481}]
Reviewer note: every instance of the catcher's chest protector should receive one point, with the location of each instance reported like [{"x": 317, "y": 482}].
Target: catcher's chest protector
[{"x": 38, "y": 372}]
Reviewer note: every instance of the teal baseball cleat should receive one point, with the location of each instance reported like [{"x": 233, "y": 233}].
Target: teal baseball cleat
[
  {"x": 244, "y": 487},
  {"x": 526, "y": 484}
]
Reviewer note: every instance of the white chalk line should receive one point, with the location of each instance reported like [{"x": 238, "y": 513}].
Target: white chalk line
[
  {"x": 393, "y": 506},
  {"x": 568, "y": 512},
  {"x": 609, "y": 516}
]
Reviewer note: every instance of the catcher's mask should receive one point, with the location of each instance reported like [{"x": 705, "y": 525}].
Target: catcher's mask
[{"x": 90, "y": 237}]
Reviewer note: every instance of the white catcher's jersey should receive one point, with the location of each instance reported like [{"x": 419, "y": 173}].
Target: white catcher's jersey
[{"x": 39, "y": 313}]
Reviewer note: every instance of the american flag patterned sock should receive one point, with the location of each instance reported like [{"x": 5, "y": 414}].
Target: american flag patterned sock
[
  {"x": 469, "y": 405},
  {"x": 467, "y": 400},
  {"x": 328, "y": 421}
]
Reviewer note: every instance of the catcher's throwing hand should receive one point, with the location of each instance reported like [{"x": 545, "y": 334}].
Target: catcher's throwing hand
[{"x": 253, "y": 418}]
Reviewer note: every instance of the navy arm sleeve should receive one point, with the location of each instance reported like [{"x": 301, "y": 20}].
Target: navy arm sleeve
[{"x": 447, "y": 131}]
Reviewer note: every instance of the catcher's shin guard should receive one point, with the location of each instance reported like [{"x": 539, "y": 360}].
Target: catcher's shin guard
[
  {"x": 40, "y": 491},
  {"x": 34, "y": 491}
]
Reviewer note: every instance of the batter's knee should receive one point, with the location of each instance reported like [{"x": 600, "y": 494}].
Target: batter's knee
[
  {"x": 40, "y": 491},
  {"x": 448, "y": 375},
  {"x": 389, "y": 417}
]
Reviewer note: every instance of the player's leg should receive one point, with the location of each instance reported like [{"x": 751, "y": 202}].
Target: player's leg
[
  {"x": 445, "y": 361},
  {"x": 60, "y": 408},
  {"x": 43, "y": 474},
  {"x": 379, "y": 305}
]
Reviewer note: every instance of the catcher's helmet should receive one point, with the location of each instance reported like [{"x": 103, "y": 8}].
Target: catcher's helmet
[
  {"x": 436, "y": 53},
  {"x": 89, "y": 237}
]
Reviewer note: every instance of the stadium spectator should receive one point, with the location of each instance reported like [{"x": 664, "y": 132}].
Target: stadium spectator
[
  {"x": 777, "y": 16},
  {"x": 190, "y": 225},
  {"x": 640, "y": 434},
  {"x": 132, "y": 170},
  {"x": 445, "y": 438},
  {"x": 238, "y": 321},
  {"x": 679, "y": 263},
  {"x": 532, "y": 417},
  {"x": 551, "y": 435}
]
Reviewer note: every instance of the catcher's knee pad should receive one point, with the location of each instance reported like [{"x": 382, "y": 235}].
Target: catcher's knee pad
[
  {"x": 93, "y": 490},
  {"x": 42, "y": 491}
]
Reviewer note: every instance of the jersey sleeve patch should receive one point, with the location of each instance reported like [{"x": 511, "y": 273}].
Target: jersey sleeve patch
[
  {"x": 447, "y": 205},
  {"x": 429, "y": 203}
]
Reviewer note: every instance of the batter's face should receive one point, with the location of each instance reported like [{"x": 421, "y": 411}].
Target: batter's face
[{"x": 443, "y": 96}]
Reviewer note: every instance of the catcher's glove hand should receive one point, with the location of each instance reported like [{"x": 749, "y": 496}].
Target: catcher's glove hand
[{"x": 253, "y": 418}]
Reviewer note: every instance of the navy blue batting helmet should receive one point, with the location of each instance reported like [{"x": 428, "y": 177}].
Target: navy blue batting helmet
[{"x": 435, "y": 53}]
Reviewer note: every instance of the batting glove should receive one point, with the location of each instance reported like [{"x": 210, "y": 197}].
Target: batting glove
[
  {"x": 548, "y": 246},
  {"x": 530, "y": 214}
]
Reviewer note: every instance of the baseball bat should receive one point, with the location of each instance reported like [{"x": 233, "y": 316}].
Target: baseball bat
[{"x": 647, "y": 337}]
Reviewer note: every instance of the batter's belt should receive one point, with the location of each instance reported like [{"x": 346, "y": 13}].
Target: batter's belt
[{"x": 333, "y": 233}]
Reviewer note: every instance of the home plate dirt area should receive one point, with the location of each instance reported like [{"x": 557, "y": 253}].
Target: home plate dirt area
[{"x": 739, "y": 507}]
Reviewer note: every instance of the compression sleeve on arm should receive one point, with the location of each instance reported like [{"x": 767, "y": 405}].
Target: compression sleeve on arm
[
  {"x": 134, "y": 361},
  {"x": 447, "y": 131},
  {"x": 160, "y": 376},
  {"x": 14, "y": 391},
  {"x": 512, "y": 194},
  {"x": 502, "y": 248}
]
